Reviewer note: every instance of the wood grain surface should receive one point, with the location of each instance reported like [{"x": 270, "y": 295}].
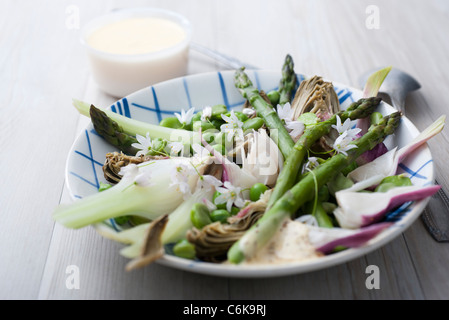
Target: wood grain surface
[{"x": 43, "y": 66}]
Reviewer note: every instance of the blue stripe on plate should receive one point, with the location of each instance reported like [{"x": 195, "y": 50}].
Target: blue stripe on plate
[
  {"x": 95, "y": 133},
  {"x": 126, "y": 108},
  {"x": 89, "y": 158},
  {"x": 154, "y": 110},
  {"x": 414, "y": 174},
  {"x": 186, "y": 88},
  {"x": 235, "y": 105},
  {"x": 92, "y": 162},
  {"x": 119, "y": 105},
  {"x": 156, "y": 105},
  {"x": 83, "y": 179},
  {"x": 223, "y": 90},
  {"x": 399, "y": 213},
  {"x": 112, "y": 221},
  {"x": 345, "y": 97},
  {"x": 113, "y": 109}
]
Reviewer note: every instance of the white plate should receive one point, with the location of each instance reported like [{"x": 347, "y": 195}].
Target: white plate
[{"x": 85, "y": 160}]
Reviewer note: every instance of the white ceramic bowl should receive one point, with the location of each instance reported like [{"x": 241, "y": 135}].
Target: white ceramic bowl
[{"x": 120, "y": 74}]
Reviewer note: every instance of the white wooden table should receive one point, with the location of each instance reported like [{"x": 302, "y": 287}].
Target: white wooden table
[{"x": 43, "y": 66}]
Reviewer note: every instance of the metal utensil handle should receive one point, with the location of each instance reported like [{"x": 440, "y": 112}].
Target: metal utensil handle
[
  {"x": 436, "y": 216},
  {"x": 226, "y": 60}
]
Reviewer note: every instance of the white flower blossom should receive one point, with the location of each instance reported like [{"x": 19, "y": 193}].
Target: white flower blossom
[
  {"x": 180, "y": 179},
  {"x": 132, "y": 172},
  {"x": 232, "y": 127},
  {"x": 346, "y": 127},
  {"x": 342, "y": 143},
  {"x": 206, "y": 114},
  {"x": 145, "y": 144},
  {"x": 311, "y": 164},
  {"x": 208, "y": 182},
  {"x": 185, "y": 117},
  {"x": 285, "y": 112},
  {"x": 296, "y": 129},
  {"x": 176, "y": 147},
  {"x": 200, "y": 151},
  {"x": 230, "y": 195},
  {"x": 249, "y": 112}
]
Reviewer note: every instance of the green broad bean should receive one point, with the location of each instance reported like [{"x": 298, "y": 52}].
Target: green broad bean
[
  {"x": 220, "y": 138},
  {"x": 274, "y": 96},
  {"x": 253, "y": 124},
  {"x": 197, "y": 117},
  {"x": 171, "y": 122},
  {"x": 203, "y": 125},
  {"x": 218, "y": 110},
  {"x": 392, "y": 182},
  {"x": 240, "y": 115},
  {"x": 200, "y": 215},
  {"x": 235, "y": 211},
  {"x": 184, "y": 249},
  {"x": 257, "y": 191},
  {"x": 217, "y": 123},
  {"x": 209, "y": 136},
  {"x": 220, "y": 215},
  {"x": 219, "y": 206}
]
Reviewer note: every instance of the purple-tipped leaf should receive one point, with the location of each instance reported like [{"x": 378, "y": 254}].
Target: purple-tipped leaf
[
  {"x": 374, "y": 82},
  {"x": 422, "y": 138},
  {"x": 387, "y": 164},
  {"x": 326, "y": 240},
  {"x": 373, "y": 154},
  {"x": 360, "y": 209},
  {"x": 371, "y": 89}
]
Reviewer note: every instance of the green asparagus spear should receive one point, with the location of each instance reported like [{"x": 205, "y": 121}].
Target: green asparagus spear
[
  {"x": 293, "y": 163},
  {"x": 259, "y": 235},
  {"x": 288, "y": 81},
  {"x": 133, "y": 127},
  {"x": 112, "y": 132},
  {"x": 264, "y": 110}
]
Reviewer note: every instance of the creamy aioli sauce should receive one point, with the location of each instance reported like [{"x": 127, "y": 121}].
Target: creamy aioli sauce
[
  {"x": 136, "y": 36},
  {"x": 290, "y": 244}
]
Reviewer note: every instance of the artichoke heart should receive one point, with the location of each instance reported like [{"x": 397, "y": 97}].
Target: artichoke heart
[
  {"x": 115, "y": 161},
  {"x": 316, "y": 96},
  {"x": 214, "y": 240}
]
